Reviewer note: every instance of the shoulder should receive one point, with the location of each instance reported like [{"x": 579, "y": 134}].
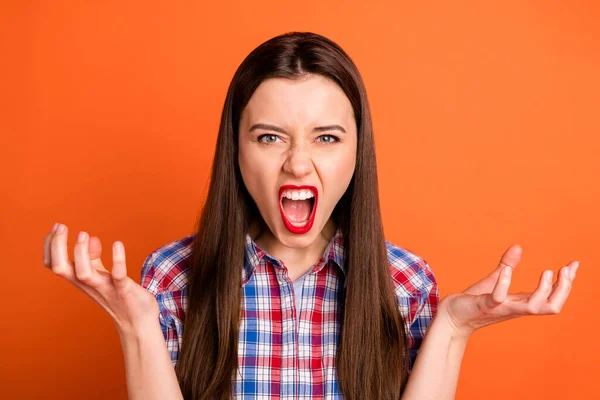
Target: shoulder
[
  {"x": 412, "y": 275},
  {"x": 166, "y": 269}
]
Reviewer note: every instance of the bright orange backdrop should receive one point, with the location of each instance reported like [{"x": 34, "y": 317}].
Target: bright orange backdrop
[{"x": 486, "y": 123}]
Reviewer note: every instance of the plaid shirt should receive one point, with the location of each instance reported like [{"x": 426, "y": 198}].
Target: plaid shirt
[{"x": 279, "y": 355}]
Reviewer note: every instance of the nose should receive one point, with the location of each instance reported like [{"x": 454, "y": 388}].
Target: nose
[{"x": 299, "y": 162}]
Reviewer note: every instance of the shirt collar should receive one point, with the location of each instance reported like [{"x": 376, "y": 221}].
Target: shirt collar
[{"x": 254, "y": 255}]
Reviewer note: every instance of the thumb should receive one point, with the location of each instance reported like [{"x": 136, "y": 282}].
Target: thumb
[
  {"x": 510, "y": 258},
  {"x": 95, "y": 252}
]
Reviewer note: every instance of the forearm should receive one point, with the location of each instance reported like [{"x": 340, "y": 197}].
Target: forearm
[
  {"x": 437, "y": 366},
  {"x": 148, "y": 368}
]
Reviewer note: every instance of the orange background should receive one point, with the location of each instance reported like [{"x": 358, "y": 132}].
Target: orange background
[{"x": 486, "y": 124}]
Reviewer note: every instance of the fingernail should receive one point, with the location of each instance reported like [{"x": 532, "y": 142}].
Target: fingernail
[
  {"x": 574, "y": 269},
  {"x": 54, "y": 227},
  {"x": 566, "y": 272},
  {"x": 60, "y": 228},
  {"x": 81, "y": 237},
  {"x": 507, "y": 271},
  {"x": 118, "y": 247}
]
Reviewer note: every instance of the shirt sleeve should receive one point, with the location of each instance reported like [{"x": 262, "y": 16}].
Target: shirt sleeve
[
  {"x": 426, "y": 310},
  {"x": 171, "y": 325}
]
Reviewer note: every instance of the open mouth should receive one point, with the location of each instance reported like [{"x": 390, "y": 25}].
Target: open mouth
[{"x": 298, "y": 206}]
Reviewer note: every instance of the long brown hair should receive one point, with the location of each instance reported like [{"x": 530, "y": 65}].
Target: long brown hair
[{"x": 372, "y": 357}]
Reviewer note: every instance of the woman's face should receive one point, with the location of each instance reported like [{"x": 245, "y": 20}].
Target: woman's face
[{"x": 297, "y": 133}]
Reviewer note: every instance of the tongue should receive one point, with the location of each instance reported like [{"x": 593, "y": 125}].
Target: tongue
[{"x": 296, "y": 210}]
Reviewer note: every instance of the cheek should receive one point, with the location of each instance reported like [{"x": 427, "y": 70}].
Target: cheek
[
  {"x": 258, "y": 178},
  {"x": 248, "y": 175},
  {"x": 248, "y": 163},
  {"x": 337, "y": 175}
]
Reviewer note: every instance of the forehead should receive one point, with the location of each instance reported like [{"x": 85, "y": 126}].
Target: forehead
[{"x": 309, "y": 100}]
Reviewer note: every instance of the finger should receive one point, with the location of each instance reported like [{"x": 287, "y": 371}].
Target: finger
[
  {"x": 510, "y": 258},
  {"x": 540, "y": 297},
  {"x": 83, "y": 267},
  {"x": 500, "y": 291},
  {"x": 119, "y": 269},
  {"x": 558, "y": 297},
  {"x": 47, "y": 242},
  {"x": 95, "y": 253},
  {"x": 59, "y": 257},
  {"x": 573, "y": 269},
  {"x": 64, "y": 268}
]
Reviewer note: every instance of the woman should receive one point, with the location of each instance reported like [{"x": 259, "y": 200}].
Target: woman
[{"x": 289, "y": 289}]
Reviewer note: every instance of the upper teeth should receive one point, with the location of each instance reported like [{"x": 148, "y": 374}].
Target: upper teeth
[{"x": 298, "y": 194}]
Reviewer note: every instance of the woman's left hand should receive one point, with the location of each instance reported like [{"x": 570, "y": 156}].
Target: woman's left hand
[{"x": 488, "y": 301}]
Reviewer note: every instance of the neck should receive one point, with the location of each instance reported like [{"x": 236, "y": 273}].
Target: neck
[{"x": 297, "y": 260}]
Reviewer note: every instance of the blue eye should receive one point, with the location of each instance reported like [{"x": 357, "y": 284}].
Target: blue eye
[
  {"x": 332, "y": 139},
  {"x": 272, "y": 138}
]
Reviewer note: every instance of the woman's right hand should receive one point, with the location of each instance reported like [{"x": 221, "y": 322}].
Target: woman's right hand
[{"x": 127, "y": 302}]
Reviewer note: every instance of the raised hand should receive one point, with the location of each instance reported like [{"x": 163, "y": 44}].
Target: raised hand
[
  {"x": 128, "y": 303},
  {"x": 488, "y": 301}
]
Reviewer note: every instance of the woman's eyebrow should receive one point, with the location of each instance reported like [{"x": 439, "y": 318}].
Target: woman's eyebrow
[{"x": 280, "y": 130}]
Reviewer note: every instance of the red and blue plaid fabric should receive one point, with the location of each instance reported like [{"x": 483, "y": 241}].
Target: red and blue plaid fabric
[{"x": 281, "y": 357}]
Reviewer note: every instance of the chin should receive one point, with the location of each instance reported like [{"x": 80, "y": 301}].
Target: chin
[{"x": 293, "y": 240}]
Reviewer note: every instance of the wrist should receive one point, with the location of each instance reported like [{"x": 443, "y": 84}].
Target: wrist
[
  {"x": 139, "y": 329},
  {"x": 455, "y": 330}
]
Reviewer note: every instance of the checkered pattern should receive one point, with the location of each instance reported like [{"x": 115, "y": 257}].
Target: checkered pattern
[{"x": 280, "y": 356}]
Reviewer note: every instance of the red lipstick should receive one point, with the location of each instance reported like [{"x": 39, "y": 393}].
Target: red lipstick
[{"x": 299, "y": 230}]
